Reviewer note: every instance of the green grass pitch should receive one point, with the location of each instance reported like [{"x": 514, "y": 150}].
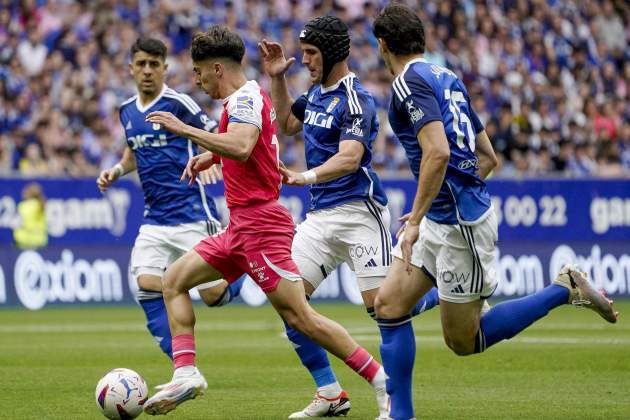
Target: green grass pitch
[{"x": 570, "y": 365}]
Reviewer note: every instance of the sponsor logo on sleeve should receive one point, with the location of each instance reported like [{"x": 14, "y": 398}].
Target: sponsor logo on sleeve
[
  {"x": 244, "y": 107},
  {"x": 356, "y": 130},
  {"x": 415, "y": 114}
]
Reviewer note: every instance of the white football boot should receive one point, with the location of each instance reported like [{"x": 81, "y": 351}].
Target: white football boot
[
  {"x": 583, "y": 295},
  {"x": 325, "y": 407},
  {"x": 184, "y": 386}
]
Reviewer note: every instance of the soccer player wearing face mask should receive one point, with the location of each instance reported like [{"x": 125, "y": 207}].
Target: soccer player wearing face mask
[{"x": 348, "y": 220}]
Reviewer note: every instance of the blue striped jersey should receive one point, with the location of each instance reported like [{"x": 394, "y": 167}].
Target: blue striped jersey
[
  {"x": 425, "y": 92},
  {"x": 343, "y": 111},
  {"x": 162, "y": 156}
]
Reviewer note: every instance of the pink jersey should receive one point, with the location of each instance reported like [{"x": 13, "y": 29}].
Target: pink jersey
[{"x": 257, "y": 179}]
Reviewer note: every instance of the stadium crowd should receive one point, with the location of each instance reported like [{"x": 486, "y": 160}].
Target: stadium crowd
[{"x": 549, "y": 78}]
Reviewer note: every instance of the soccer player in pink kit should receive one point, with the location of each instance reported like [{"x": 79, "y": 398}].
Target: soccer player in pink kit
[{"x": 258, "y": 238}]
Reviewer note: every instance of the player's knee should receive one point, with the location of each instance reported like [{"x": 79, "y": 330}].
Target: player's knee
[
  {"x": 385, "y": 307},
  {"x": 171, "y": 283}
]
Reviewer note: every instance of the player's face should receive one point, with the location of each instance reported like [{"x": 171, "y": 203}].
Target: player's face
[
  {"x": 312, "y": 59},
  {"x": 207, "y": 75},
  {"x": 148, "y": 72}
]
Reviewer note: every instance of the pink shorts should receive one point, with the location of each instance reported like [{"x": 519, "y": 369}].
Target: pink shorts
[{"x": 257, "y": 241}]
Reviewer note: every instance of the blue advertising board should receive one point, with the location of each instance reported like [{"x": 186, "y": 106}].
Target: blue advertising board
[{"x": 543, "y": 224}]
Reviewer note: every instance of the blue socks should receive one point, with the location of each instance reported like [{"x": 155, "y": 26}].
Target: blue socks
[
  {"x": 157, "y": 318},
  {"x": 428, "y": 301},
  {"x": 398, "y": 353},
  {"x": 312, "y": 356},
  {"x": 509, "y": 318}
]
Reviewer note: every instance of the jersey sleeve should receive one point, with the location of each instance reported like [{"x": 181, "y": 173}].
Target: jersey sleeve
[
  {"x": 246, "y": 107},
  {"x": 415, "y": 99},
  {"x": 193, "y": 115},
  {"x": 298, "y": 109},
  {"x": 357, "y": 118}
]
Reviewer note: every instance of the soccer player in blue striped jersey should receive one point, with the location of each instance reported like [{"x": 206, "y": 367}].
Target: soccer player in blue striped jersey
[
  {"x": 451, "y": 233},
  {"x": 348, "y": 220},
  {"x": 176, "y": 217}
]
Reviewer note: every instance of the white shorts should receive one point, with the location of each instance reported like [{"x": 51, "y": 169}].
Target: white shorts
[
  {"x": 157, "y": 247},
  {"x": 356, "y": 233},
  {"x": 458, "y": 258}
]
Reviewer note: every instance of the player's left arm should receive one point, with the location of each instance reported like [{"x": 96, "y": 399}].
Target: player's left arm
[
  {"x": 236, "y": 143},
  {"x": 344, "y": 162},
  {"x": 358, "y": 123},
  {"x": 486, "y": 159},
  {"x": 420, "y": 107},
  {"x": 485, "y": 154}
]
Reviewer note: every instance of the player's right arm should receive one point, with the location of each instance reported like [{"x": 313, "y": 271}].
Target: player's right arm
[
  {"x": 276, "y": 65},
  {"x": 126, "y": 164}
]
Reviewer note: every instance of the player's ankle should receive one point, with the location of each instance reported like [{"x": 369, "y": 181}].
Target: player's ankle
[
  {"x": 186, "y": 370},
  {"x": 330, "y": 391},
  {"x": 379, "y": 378}
]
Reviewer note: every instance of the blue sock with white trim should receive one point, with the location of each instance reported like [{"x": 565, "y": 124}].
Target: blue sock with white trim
[
  {"x": 312, "y": 356},
  {"x": 507, "y": 319},
  {"x": 426, "y": 302},
  {"x": 398, "y": 353},
  {"x": 152, "y": 304}
]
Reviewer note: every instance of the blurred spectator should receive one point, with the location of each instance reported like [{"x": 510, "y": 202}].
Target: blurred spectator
[
  {"x": 549, "y": 79},
  {"x": 32, "y": 233}
]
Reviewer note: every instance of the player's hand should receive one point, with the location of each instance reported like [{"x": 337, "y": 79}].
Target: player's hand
[
  {"x": 403, "y": 219},
  {"x": 273, "y": 60},
  {"x": 212, "y": 175},
  {"x": 412, "y": 233},
  {"x": 167, "y": 120},
  {"x": 195, "y": 165},
  {"x": 106, "y": 179},
  {"x": 290, "y": 177}
]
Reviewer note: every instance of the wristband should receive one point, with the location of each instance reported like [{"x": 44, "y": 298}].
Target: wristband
[
  {"x": 119, "y": 169},
  {"x": 310, "y": 177}
]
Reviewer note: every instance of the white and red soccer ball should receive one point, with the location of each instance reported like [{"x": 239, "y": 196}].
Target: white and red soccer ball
[{"x": 121, "y": 393}]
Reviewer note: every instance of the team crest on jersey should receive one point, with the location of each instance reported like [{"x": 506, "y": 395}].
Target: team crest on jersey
[
  {"x": 310, "y": 98},
  {"x": 156, "y": 126},
  {"x": 415, "y": 114},
  {"x": 332, "y": 104},
  {"x": 128, "y": 126},
  {"x": 356, "y": 128}
]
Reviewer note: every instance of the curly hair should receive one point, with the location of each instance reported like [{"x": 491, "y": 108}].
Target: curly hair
[{"x": 217, "y": 42}]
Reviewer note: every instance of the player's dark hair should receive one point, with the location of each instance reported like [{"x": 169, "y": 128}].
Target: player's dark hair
[
  {"x": 217, "y": 42},
  {"x": 401, "y": 29},
  {"x": 150, "y": 46}
]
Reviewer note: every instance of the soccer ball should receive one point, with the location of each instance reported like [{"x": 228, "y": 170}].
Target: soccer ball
[{"x": 121, "y": 393}]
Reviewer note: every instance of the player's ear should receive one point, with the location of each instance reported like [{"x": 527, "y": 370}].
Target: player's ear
[
  {"x": 218, "y": 68},
  {"x": 382, "y": 46},
  {"x": 130, "y": 67},
  {"x": 165, "y": 66}
]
